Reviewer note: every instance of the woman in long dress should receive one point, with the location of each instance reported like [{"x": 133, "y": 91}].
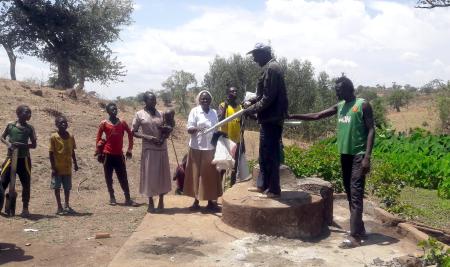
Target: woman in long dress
[
  {"x": 202, "y": 180},
  {"x": 155, "y": 173}
]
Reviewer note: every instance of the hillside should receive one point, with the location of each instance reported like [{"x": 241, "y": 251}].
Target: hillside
[
  {"x": 65, "y": 240},
  {"x": 421, "y": 112}
]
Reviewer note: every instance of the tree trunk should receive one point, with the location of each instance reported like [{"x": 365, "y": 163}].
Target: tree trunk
[
  {"x": 12, "y": 60},
  {"x": 64, "y": 80},
  {"x": 81, "y": 81}
]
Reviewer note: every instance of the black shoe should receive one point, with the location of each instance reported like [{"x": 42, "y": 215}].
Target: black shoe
[{"x": 112, "y": 201}]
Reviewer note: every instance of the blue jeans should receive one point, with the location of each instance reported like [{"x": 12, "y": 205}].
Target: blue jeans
[{"x": 269, "y": 156}]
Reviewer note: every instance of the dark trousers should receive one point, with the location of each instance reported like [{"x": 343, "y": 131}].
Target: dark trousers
[
  {"x": 269, "y": 156},
  {"x": 116, "y": 163},
  {"x": 24, "y": 172},
  {"x": 240, "y": 149},
  {"x": 354, "y": 183}
]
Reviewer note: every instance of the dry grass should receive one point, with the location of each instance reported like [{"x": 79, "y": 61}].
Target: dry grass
[{"x": 421, "y": 112}]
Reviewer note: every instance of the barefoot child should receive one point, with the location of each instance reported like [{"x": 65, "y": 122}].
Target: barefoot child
[
  {"x": 17, "y": 135},
  {"x": 61, "y": 154},
  {"x": 112, "y": 153},
  {"x": 179, "y": 176}
]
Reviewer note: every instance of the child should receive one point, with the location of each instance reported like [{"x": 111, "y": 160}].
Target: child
[
  {"x": 61, "y": 154},
  {"x": 111, "y": 152},
  {"x": 179, "y": 176},
  {"x": 168, "y": 124},
  {"x": 19, "y": 134}
]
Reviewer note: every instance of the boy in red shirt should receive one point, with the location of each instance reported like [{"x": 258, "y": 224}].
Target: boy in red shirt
[{"x": 112, "y": 153}]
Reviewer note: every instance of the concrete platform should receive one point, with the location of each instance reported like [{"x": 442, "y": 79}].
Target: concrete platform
[
  {"x": 296, "y": 214},
  {"x": 182, "y": 238}
]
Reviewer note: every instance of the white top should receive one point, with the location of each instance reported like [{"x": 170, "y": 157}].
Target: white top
[{"x": 202, "y": 120}]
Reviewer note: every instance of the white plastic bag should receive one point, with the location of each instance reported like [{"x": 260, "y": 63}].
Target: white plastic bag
[
  {"x": 243, "y": 173},
  {"x": 222, "y": 157}
]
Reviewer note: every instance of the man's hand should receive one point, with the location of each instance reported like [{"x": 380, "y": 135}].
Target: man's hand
[
  {"x": 365, "y": 168},
  {"x": 128, "y": 155},
  {"x": 53, "y": 172},
  {"x": 246, "y": 104}
]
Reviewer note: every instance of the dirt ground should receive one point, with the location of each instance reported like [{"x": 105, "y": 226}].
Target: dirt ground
[
  {"x": 67, "y": 240},
  {"x": 182, "y": 238}
]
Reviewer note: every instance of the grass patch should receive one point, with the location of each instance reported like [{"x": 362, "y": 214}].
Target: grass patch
[{"x": 425, "y": 206}]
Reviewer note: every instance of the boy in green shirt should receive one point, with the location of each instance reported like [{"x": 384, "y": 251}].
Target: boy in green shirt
[
  {"x": 61, "y": 154},
  {"x": 19, "y": 134},
  {"x": 355, "y": 137}
]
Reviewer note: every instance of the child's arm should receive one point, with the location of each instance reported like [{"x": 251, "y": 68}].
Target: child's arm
[
  {"x": 4, "y": 135},
  {"x": 99, "y": 134},
  {"x": 33, "y": 139},
  {"x": 130, "y": 140},
  {"x": 52, "y": 162},
  {"x": 51, "y": 156},
  {"x": 315, "y": 116},
  {"x": 74, "y": 157}
]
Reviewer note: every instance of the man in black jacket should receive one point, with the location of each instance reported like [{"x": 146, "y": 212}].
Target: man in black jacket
[{"x": 270, "y": 105}]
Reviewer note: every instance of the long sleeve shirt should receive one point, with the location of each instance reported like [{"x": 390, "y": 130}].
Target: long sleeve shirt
[
  {"x": 114, "y": 137},
  {"x": 271, "y": 102}
]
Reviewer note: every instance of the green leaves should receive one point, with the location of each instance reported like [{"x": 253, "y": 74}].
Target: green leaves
[{"x": 418, "y": 160}]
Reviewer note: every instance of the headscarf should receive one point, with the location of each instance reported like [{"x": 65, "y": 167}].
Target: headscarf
[{"x": 197, "y": 99}]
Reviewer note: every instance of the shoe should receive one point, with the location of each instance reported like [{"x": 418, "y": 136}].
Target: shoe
[
  {"x": 213, "y": 207},
  {"x": 178, "y": 192},
  {"x": 60, "y": 211},
  {"x": 271, "y": 195},
  {"x": 194, "y": 207},
  {"x": 130, "y": 202},
  {"x": 350, "y": 242},
  {"x": 255, "y": 189},
  {"x": 151, "y": 209},
  {"x": 69, "y": 210},
  {"x": 112, "y": 201},
  {"x": 25, "y": 213}
]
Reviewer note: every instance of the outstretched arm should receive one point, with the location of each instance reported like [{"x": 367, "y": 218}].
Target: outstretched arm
[
  {"x": 315, "y": 116},
  {"x": 369, "y": 124}
]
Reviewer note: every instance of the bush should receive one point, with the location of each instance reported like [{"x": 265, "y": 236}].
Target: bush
[
  {"x": 320, "y": 159},
  {"x": 385, "y": 182}
]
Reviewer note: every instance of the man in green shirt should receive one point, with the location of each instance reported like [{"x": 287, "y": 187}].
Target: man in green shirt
[
  {"x": 21, "y": 135},
  {"x": 355, "y": 137}
]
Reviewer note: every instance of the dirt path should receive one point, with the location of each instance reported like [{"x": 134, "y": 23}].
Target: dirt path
[{"x": 182, "y": 238}]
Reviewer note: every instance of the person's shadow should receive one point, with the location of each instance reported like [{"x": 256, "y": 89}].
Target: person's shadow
[{"x": 12, "y": 253}]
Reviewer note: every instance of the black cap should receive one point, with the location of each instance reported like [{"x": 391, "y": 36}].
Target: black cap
[{"x": 260, "y": 47}]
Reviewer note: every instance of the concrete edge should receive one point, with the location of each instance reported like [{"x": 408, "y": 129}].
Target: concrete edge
[{"x": 404, "y": 228}]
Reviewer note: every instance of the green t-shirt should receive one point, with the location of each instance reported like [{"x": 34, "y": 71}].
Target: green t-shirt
[
  {"x": 351, "y": 131},
  {"x": 20, "y": 133}
]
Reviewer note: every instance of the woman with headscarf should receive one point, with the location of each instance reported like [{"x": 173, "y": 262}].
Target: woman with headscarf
[
  {"x": 155, "y": 172},
  {"x": 202, "y": 180}
]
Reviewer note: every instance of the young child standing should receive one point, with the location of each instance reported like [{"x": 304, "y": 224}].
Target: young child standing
[
  {"x": 112, "y": 154},
  {"x": 61, "y": 154},
  {"x": 18, "y": 135}
]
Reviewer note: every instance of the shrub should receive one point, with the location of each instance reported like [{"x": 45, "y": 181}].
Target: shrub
[{"x": 320, "y": 159}]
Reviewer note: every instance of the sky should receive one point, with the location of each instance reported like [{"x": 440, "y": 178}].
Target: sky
[{"x": 372, "y": 42}]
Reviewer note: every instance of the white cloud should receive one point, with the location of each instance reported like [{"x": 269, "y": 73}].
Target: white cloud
[{"x": 371, "y": 41}]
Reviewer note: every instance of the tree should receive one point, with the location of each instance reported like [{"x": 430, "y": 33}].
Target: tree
[
  {"x": 432, "y": 3},
  {"x": 8, "y": 38},
  {"x": 73, "y": 36},
  {"x": 178, "y": 84},
  {"x": 399, "y": 98},
  {"x": 237, "y": 71}
]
